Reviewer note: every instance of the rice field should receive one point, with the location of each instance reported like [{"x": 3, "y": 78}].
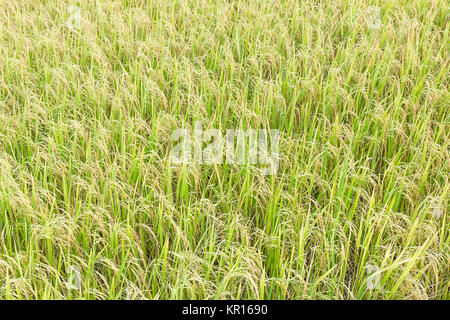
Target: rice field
[{"x": 92, "y": 206}]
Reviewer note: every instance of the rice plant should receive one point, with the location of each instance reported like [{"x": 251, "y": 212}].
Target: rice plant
[{"x": 92, "y": 207}]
